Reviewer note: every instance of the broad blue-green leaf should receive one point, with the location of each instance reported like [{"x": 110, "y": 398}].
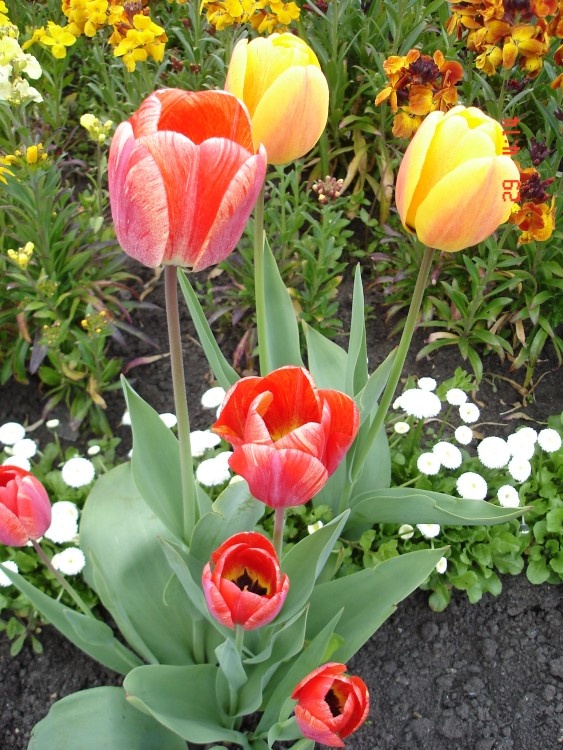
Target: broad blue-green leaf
[
  {"x": 376, "y": 469},
  {"x": 182, "y": 699},
  {"x": 367, "y": 598},
  {"x": 284, "y": 730},
  {"x": 304, "y": 563},
  {"x": 120, "y": 536},
  {"x": 357, "y": 366},
  {"x": 326, "y": 361},
  {"x": 405, "y": 505},
  {"x": 368, "y": 398},
  {"x": 282, "y": 331},
  {"x": 156, "y": 462},
  {"x": 93, "y": 636},
  {"x": 225, "y": 374},
  {"x": 100, "y": 718}
]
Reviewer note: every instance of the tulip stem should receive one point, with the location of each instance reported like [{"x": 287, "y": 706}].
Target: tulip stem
[
  {"x": 61, "y": 579},
  {"x": 398, "y": 363},
  {"x": 180, "y": 399},
  {"x": 279, "y": 521},
  {"x": 259, "y": 291}
]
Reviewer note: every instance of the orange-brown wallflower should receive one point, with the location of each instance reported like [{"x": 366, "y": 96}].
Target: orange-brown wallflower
[{"x": 536, "y": 221}]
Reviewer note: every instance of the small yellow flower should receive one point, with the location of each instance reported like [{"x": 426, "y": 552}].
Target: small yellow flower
[
  {"x": 35, "y": 154},
  {"x": 97, "y": 131},
  {"x": 22, "y": 255}
]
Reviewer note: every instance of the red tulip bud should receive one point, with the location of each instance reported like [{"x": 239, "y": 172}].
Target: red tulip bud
[{"x": 25, "y": 509}]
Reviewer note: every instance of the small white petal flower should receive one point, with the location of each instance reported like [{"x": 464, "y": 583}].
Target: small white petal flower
[
  {"x": 442, "y": 565},
  {"x": 428, "y": 463},
  {"x": 11, "y": 432},
  {"x": 64, "y": 522},
  {"x": 429, "y": 530},
  {"x": 520, "y": 448},
  {"x": 20, "y": 461},
  {"x": 4, "y": 580},
  {"x": 456, "y": 397},
  {"x": 169, "y": 419},
  {"x": 25, "y": 447},
  {"x": 469, "y": 412},
  {"x": 126, "y": 419},
  {"x": 52, "y": 424},
  {"x": 93, "y": 450},
  {"x": 401, "y": 428},
  {"x": 397, "y": 403},
  {"x": 549, "y": 440},
  {"x": 449, "y": 455},
  {"x": 236, "y": 478},
  {"x": 224, "y": 456},
  {"x": 508, "y": 496},
  {"x": 213, "y": 397},
  {"x": 203, "y": 440},
  {"x": 463, "y": 435},
  {"x": 471, "y": 486},
  {"x": 406, "y": 531},
  {"x": 213, "y": 472},
  {"x": 420, "y": 404},
  {"x": 427, "y": 384},
  {"x": 70, "y": 561},
  {"x": 519, "y": 468},
  {"x": 78, "y": 472},
  {"x": 312, "y": 527},
  {"x": 493, "y": 452}
]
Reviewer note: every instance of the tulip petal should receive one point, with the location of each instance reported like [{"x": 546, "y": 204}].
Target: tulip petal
[
  {"x": 231, "y": 423},
  {"x": 34, "y": 507},
  {"x": 291, "y": 115},
  {"x": 237, "y": 69},
  {"x": 138, "y": 198},
  {"x": 315, "y": 729},
  {"x": 309, "y": 438},
  {"x": 473, "y": 194},
  {"x": 340, "y": 424},
  {"x": 295, "y": 400},
  {"x": 12, "y": 530},
  {"x": 215, "y": 601},
  {"x": 279, "y": 478}
]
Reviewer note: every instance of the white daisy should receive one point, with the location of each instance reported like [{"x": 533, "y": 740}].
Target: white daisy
[
  {"x": 126, "y": 419},
  {"x": 213, "y": 472},
  {"x": 419, "y": 403},
  {"x": 93, "y": 450},
  {"x": 312, "y": 527},
  {"x": 519, "y": 468},
  {"x": 520, "y": 445},
  {"x": 493, "y": 452},
  {"x": 463, "y": 434},
  {"x": 456, "y": 397},
  {"x": 169, "y": 419},
  {"x": 401, "y": 428},
  {"x": 469, "y": 413},
  {"x": 429, "y": 530},
  {"x": 471, "y": 486},
  {"x": 213, "y": 397},
  {"x": 52, "y": 424},
  {"x": 64, "y": 522},
  {"x": 25, "y": 447},
  {"x": 427, "y": 384},
  {"x": 21, "y": 461},
  {"x": 442, "y": 565},
  {"x": 549, "y": 440},
  {"x": 508, "y": 496},
  {"x": 406, "y": 531},
  {"x": 70, "y": 561},
  {"x": 449, "y": 455},
  {"x": 428, "y": 463},
  {"x": 4, "y": 580},
  {"x": 203, "y": 440},
  {"x": 11, "y": 432},
  {"x": 78, "y": 472}
]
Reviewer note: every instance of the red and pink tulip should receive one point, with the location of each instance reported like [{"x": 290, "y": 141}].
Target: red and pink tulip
[
  {"x": 288, "y": 436},
  {"x": 25, "y": 508}
]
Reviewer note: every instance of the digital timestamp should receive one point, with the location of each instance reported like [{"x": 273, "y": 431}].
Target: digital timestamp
[{"x": 509, "y": 186}]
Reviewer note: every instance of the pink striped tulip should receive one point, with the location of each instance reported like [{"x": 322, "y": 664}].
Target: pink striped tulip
[
  {"x": 452, "y": 182},
  {"x": 25, "y": 509},
  {"x": 183, "y": 178}
]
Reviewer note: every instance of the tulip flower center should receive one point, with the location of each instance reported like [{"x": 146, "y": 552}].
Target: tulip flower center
[
  {"x": 249, "y": 582},
  {"x": 335, "y": 701}
]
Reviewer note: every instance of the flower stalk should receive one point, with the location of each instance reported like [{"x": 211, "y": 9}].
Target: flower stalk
[
  {"x": 259, "y": 290},
  {"x": 61, "y": 579}
]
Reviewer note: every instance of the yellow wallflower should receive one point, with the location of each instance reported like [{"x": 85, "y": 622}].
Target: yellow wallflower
[
  {"x": 35, "y": 154},
  {"x": 22, "y": 255},
  {"x": 97, "y": 130},
  {"x": 56, "y": 37},
  {"x": 145, "y": 39}
]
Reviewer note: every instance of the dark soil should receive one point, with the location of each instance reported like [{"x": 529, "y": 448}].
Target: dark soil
[{"x": 475, "y": 677}]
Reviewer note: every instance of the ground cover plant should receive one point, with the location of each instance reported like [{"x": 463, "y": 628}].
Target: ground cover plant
[{"x": 252, "y": 624}]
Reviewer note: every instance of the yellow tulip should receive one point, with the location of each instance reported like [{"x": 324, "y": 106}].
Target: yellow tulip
[
  {"x": 453, "y": 185},
  {"x": 280, "y": 81}
]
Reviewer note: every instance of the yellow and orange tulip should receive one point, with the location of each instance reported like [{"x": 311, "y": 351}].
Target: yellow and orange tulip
[
  {"x": 280, "y": 81},
  {"x": 450, "y": 183}
]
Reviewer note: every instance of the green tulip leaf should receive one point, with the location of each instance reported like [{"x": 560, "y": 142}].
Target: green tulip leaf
[
  {"x": 367, "y": 598},
  {"x": 100, "y": 718},
  {"x": 184, "y": 700},
  {"x": 357, "y": 367},
  {"x": 121, "y": 538},
  {"x": 405, "y": 505},
  {"x": 92, "y": 636},
  {"x": 367, "y": 399},
  {"x": 284, "y": 730},
  {"x": 326, "y": 361},
  {"x": 156, "y": 462},
  {"x": 225, "y": 374},
  {"x": 282, "y": 331}
]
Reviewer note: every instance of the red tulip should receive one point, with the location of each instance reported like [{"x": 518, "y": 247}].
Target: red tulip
[
  {"x": 183, "y": 178},
  {"x": 288, "y": 436},
  {"x": 25, "y": 509},
  {"x": 246, "y": 586},
  {"x": 330, "y": 704}
]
